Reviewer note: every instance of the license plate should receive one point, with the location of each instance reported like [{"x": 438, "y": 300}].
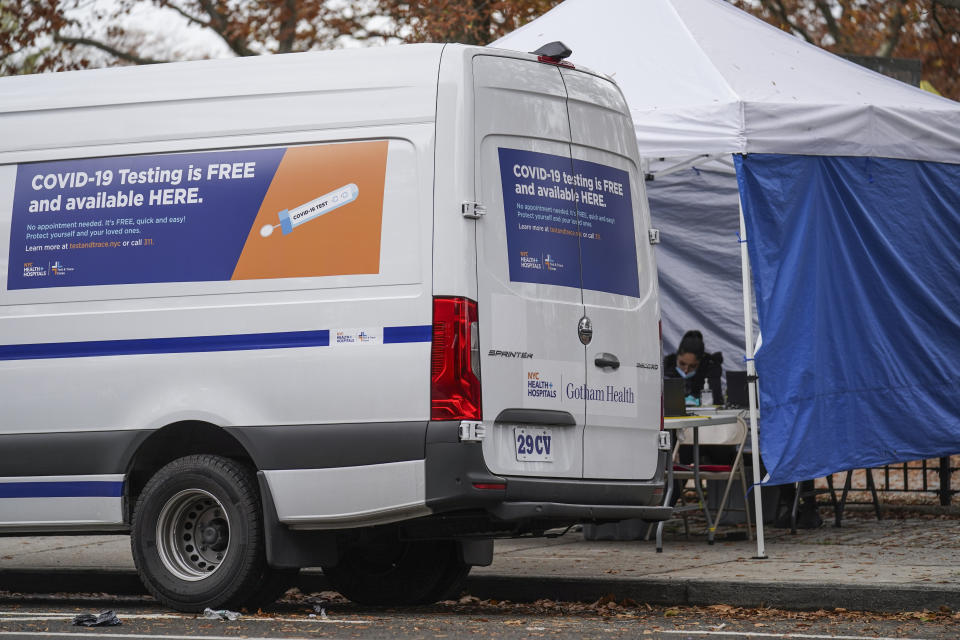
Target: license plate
[{"x": 533, "y": 445}]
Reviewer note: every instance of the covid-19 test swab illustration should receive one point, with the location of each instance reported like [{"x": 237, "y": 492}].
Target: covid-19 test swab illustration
[{"x": 290, "y": 219}]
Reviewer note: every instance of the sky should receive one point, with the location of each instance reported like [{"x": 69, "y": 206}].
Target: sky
[
  {"x": 168, "y": 26},
  {"x": 165, "y": 26}
]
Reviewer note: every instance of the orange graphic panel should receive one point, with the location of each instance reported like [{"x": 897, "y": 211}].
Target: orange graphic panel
[{"x": 321, "y": 216}]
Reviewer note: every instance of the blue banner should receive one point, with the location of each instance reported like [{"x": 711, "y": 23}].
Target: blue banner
[
  {"x": 161, "y": 218},
  {"x": 566, "y": 220},
  {"x": 197, "y": 217}
]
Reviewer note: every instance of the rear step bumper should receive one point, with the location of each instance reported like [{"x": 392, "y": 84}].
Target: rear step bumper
[
  {"x": 521, "y": 511},
  {"x": 454, "y": 468}
]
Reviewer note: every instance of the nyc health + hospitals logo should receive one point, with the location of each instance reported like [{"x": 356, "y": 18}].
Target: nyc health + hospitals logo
[
  {"x": 528, "y": 261},
  {"x": 356, "y": 336},
  {"x": 540, "y": 386}
]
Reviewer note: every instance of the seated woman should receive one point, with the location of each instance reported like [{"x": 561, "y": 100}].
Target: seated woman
[{"x": 697, "y": 367}]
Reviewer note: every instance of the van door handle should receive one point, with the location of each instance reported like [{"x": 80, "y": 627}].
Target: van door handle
[
  {"x": 537, "y": 416},
  {"x": 607, "y": 360}
]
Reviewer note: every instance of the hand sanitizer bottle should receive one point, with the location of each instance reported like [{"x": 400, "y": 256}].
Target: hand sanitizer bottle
[{"x": 706, "y": 396}]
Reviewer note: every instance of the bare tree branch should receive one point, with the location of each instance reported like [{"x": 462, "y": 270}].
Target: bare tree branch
[
  {"x": 190, "y": 17},
  {"x": 103, "y": 46},
  {"x": 831, "y": 22},
  {"x": 221, "y": 26},
  {"x": 776, "y": 6},
  {"x": 894, "y": 29},
  {"x": 288, "y": 27}
]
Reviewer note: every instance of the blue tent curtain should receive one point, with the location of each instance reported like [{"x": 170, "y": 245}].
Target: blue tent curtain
[{"x": 856, "y": 266}]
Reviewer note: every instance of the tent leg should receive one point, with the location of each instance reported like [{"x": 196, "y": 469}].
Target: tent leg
[{"x": 752, "y": 384}]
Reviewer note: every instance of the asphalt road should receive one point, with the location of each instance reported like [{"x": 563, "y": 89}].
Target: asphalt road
[{"x": 51, "y": 617}]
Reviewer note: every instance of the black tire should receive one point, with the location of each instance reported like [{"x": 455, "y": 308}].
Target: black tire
[
  {"x": 197, "y": 534},
  {"x": 394, "y": 573}
]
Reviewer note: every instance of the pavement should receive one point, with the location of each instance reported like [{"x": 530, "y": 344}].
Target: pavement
[{"x": 906, "y": 562}]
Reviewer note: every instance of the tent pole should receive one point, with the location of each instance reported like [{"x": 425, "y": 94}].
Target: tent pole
[{"x": 752, "y": 384}]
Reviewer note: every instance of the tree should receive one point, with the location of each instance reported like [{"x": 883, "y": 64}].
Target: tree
[
  {"x": 70, "y": 34},
  {"x": 45, "y": 35},
  {"x": 477, "y": 22},
  {"x": 928, "y": 30}
]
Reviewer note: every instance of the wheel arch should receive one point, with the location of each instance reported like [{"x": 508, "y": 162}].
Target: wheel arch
[{"x": 176, "y": 440}]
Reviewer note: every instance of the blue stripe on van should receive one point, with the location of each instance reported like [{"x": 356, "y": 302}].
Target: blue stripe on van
[
  {"x": 236, "y": 342},
  {"x": 69, "y": 489},
  {"x": 417, "y": 333}
]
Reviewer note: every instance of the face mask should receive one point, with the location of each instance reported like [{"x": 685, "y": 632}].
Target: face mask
[{"x": 684, "y": 374}]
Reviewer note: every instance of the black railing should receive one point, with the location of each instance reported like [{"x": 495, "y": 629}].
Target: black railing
[{"x": 912, "y": 477}]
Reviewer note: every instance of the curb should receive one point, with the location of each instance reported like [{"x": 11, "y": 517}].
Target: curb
[
  {"x": 74, "y": 582},
  {"x": 85, "y": 584},
  {"x": 797, "y": 596}
]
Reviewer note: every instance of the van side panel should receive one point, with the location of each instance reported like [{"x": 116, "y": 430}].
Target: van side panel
[
  {"x": 43, "y": 115},
  {"x": 114, "y": 362}
]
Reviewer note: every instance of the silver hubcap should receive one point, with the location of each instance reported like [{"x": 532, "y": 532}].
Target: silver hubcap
[{"x": 193, "y": 533}]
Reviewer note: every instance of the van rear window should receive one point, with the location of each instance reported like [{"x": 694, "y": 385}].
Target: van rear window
[{"x": 549, "y": 201}]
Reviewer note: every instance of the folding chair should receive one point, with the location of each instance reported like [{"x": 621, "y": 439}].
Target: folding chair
[{"x": 706, "y": 472}]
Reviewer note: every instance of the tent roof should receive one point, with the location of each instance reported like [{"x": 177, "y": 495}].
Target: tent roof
[{"x": 702, "y": 76}]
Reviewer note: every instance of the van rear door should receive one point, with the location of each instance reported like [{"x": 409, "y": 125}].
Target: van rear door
[
  {"x": 623, "y": 374},
  {"x": 528, "y": 272}
]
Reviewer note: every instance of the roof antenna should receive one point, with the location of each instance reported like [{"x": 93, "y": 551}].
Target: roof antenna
[{"x": 556, "y": 50}]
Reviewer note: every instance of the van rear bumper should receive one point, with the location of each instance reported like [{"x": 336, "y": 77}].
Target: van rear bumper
[
  {"x": 524, "y": 511},
  {"x": 454, "y": 470}
]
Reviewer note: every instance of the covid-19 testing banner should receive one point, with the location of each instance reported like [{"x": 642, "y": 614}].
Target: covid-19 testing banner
[
  {"x": 568, "y": 219},
  {"x": 245, "y": 214}
]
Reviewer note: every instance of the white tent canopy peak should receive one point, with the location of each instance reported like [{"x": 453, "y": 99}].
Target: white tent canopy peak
[{"x": 702, "y": 76}]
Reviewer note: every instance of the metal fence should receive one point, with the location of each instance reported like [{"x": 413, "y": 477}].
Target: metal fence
[{"x": 934, "y": 477}]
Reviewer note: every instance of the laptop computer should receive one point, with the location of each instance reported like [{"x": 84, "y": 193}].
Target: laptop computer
[
  {"x": 674, "y": 397},
  {"x": 737, "y": 394}
]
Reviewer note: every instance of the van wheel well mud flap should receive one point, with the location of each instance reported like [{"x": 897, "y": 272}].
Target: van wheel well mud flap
[
  {"x": 171, "y": 442},
  {"x": 477, "y": 552},
  {"x": 386, "y": 570},
  {"x": 197, "y": 534},
  {"x": 291, "y": 550}
]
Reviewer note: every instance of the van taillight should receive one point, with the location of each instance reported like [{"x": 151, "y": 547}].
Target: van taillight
[
  {"x": 455, "y": 361},
  {"x": 556, "y": 61}
]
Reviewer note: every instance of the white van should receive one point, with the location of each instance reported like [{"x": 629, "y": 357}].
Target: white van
[{"x": 366, "y": 310}]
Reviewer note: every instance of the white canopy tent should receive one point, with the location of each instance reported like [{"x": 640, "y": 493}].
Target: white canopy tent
[
  {"x": 705, "y": 80},
  {"x": 703, "y": 77}
]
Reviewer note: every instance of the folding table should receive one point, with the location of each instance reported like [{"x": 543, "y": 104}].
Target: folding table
[{"x": 698, "y": 472}]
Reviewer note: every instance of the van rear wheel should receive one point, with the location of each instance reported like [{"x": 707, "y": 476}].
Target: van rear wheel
[
  {"x": 197, "y": 534},
  {"x": 397, "y": 572}
]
